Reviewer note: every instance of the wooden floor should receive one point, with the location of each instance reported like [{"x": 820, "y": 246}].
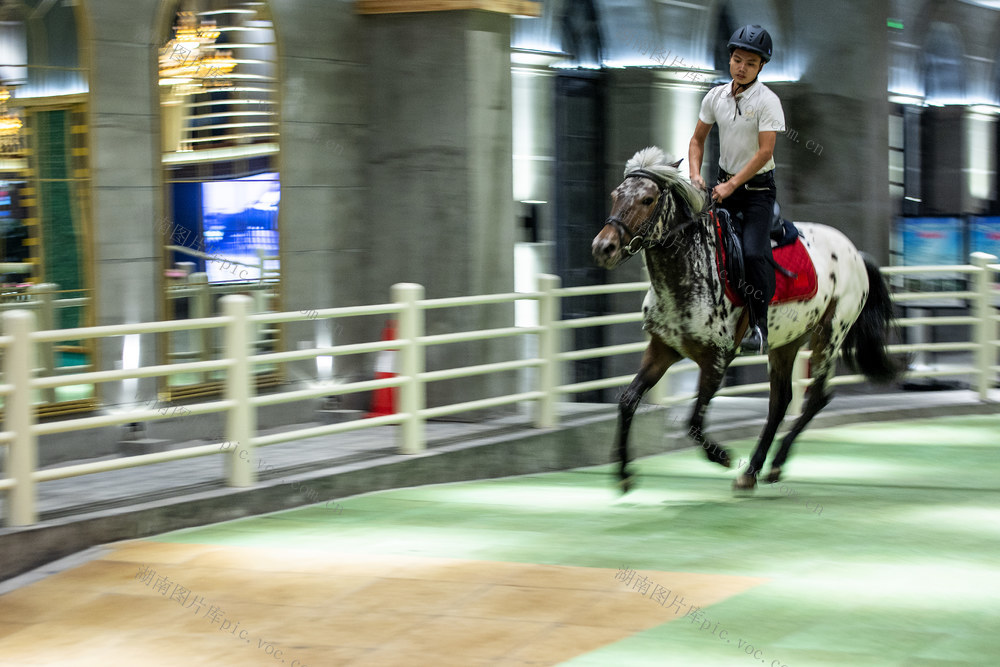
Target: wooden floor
[{"x": 158, "y": 603}]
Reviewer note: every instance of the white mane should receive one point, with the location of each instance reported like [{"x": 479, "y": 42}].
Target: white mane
[{"x": 655, "y": 160}]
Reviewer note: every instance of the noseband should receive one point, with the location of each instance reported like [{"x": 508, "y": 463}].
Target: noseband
[{"x": 637, "y": 240}]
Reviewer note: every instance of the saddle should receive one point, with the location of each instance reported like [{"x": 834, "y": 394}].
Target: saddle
[{"x": 795, "y": 277}]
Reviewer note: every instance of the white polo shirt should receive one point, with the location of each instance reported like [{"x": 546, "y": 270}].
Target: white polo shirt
[{"x": 740, "y": 118}]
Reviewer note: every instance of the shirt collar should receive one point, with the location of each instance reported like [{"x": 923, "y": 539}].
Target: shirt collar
[{"x": 749, "y": 92}]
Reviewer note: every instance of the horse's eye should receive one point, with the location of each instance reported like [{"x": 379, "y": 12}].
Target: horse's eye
[{"x": 647, "y": 201}]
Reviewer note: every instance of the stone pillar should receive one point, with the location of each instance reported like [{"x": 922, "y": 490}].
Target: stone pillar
[
  {"x": 323, "y": 218},
  {"x": 833, "y": 163},
  {"x": 125, "y": 165},
  {"x": 440, "y": 208}
]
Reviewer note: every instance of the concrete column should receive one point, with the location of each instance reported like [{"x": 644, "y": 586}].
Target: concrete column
[
  {"x": 440, "y": 204},
  {"x": 833, "y": 164},
  {"x": 125, "y": 161},
  {"x": 323, "y": 218}
]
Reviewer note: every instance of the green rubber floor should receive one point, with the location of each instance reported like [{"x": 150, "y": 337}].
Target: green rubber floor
[{"x": 880, "y": 547}]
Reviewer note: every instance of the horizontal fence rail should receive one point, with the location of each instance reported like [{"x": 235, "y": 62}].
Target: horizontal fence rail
[{"x": 21, "y": 344}]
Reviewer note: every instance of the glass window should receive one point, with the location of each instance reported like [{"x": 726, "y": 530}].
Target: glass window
[
  {"x": 218, "y": 101},
  {"x": 45, "y": 232}
]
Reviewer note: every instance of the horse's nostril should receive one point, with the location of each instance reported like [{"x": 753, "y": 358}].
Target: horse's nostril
[{"x": 604, "y": 250}]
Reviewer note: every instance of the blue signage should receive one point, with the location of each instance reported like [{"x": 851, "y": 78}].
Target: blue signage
[
  {"x": 984, "y": 235},
  {"x": 932, "y": 241}
]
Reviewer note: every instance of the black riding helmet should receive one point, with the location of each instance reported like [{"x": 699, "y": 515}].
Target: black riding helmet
[{"x": 752, "y": 38}]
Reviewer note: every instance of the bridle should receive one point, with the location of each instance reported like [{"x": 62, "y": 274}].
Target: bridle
[{"x": 637, "y": 240}]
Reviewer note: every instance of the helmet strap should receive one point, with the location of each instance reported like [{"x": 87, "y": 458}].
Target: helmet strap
[{"x": 740, "y": 87}]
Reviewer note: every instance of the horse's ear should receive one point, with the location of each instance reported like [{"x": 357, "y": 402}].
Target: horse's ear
[{"x": 675, "y": 165}]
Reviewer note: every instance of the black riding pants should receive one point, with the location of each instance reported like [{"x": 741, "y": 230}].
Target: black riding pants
[{"x": 757, "y": 205}]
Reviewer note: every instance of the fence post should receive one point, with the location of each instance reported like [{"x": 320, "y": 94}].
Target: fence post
[
  {"x": 261, "y": 258},
  {"x": 241, "y": 419},
  {"x": 19, "y": 417},
  {"x": 548, "y": 349},
  {"x": 985, "y": 326},
  {"x": 44, "y": 296},
  {"x": 259, "y": 306},
  {"x": 200, "y": 306},
  {"x": 411, "y": 365}
]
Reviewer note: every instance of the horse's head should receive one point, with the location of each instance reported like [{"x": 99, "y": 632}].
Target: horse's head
[{"x": 652, "y": 199}]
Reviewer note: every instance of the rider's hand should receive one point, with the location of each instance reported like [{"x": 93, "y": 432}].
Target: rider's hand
[
  {"x": 698, "y": 182},
  {"x": 722, "y": 190}
]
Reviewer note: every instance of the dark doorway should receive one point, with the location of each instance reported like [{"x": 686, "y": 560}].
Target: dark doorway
[{"x": 581, "y": 203}]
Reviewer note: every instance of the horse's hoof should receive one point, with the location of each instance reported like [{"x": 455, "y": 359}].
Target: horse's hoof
[
  {"x": 717, "y": 454},
  {"x": 626, "y": 484},
  {"x": 773, "y": 476},
  {"x": 744, "y": 482}
]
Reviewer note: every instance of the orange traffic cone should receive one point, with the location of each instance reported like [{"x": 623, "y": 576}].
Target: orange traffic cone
[{"x": 384, "y": 400}]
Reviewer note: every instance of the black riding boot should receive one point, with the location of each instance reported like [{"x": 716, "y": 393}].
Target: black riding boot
[
  {"x": 757, "y": 205},
  {"x": 755, "y": 339}
]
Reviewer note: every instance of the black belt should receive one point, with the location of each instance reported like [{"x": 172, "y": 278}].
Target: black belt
[{"x": 758, "y": 182}]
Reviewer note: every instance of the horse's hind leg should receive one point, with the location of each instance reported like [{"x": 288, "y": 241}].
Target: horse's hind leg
[
  {"x": 822, "y": 362},
  {"x": 819, "y": 396},
  {"x": 657, "y": 358},
  {"x": 782, "y": 361}
]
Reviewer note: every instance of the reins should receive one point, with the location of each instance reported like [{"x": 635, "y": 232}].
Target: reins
[
  {"x": 712, "y": 212},
  {"x": 637, "y": 240}
]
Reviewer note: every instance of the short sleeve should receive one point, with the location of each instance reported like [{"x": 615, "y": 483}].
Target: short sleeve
[
  {"x": 707, "y": 113},
  {"x": 771, "y": 118}
]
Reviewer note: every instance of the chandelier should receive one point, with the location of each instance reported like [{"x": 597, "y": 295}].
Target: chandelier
[
  {"x": 190, "y": 62},
  {"x": 10, "y": 125}
]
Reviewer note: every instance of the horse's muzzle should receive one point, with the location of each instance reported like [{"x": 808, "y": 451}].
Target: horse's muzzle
[
  {"x": 607, "y": 245},
  {"x": 606, "y": 249}
]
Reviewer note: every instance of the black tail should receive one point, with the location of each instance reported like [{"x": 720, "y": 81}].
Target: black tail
[{"x": 865, "y": 346}]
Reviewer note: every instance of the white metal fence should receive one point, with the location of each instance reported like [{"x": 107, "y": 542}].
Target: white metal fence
[
  {"x": 23, "y": 382},
  {"x": 47, "y": 301}
]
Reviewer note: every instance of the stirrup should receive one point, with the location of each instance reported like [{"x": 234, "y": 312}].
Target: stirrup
[{"x": 754, "y": 342}]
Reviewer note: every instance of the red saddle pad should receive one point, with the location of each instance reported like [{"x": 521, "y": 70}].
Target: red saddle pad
[{"x": 802, "y": 287}]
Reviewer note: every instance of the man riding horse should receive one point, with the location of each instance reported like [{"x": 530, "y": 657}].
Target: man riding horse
[{"x": 749, "y": 115}]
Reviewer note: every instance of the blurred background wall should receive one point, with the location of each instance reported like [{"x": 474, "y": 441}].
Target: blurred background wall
[{"x": 158, "y": 154}]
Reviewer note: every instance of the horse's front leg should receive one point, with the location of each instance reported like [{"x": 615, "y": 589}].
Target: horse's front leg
[
  {"x": 657, "y": 358},
  {"x": 713, "y": 369}
]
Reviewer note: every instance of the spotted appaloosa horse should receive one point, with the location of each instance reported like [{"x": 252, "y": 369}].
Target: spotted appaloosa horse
[{"x": 656, "y": 210}]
